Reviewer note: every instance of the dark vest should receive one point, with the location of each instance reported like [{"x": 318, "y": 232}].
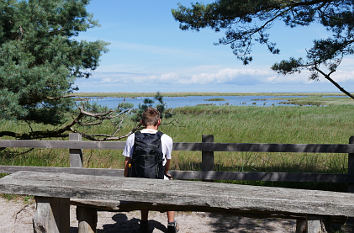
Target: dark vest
[{"x": 147, "y": 156}]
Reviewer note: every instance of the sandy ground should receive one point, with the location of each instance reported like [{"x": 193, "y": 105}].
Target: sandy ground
[{"x": 16, "y": 217}]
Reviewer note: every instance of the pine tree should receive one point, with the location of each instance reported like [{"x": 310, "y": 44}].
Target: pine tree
[
  {"x": 40, "y": 58},
  {"x": 248, "y": 22}
]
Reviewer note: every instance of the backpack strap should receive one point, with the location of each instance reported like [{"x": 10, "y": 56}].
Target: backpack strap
[
  {"x": 137, "y": 132},
  {"x": 159, "y": 133}
]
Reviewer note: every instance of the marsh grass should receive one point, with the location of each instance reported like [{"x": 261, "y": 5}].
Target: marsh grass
[
  {"x": 298, "y": 125},
  {"x": 243, "y": 124},
  {"x": 316, "y": 100}
]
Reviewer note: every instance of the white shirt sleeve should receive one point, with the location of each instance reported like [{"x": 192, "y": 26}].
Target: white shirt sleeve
[
  {"x": 128, "y": 149},
  {"x": 167, "y": 144}
]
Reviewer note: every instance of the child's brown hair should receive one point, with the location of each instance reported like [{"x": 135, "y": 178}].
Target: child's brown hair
[{"x": 150, "y": 116}]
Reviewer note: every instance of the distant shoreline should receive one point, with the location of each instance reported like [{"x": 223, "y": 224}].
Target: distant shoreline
[{"x": 183, "y": 94}]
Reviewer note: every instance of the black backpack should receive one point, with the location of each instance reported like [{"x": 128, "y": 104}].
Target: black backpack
[{"x": 147, "y": 156}]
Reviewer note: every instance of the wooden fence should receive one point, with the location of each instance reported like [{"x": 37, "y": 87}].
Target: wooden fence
[{"x": 207, "y": 147}]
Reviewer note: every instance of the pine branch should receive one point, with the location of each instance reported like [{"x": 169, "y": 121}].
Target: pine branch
[
  {"x": 61, "y": 132},
  {"x": 327, "y": 76}
]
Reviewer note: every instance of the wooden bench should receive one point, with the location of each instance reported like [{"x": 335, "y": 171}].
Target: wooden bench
[
  {"x": 87, "y": 209},
  {"x": 53, "y": 191}
]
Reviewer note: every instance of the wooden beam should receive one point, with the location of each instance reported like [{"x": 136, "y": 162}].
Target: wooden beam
[
  {"x": 263, "y": 147},
  {"x": 196, "y": 175},
  {"x": 49, "y": 144},
  {"x": 69, "y": 170},
  {"x": 187, "y": 146},
  {"x": 261, "y": 176},
  {"x": 184, "y": 195}
]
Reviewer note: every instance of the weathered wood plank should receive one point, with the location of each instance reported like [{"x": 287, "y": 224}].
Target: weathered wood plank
[
  {"x": 69, "y": 170},
  {"x": 187, "y": 146},
  {"x": 197, "y": 175},
  {"x": 262, "y": 147},
  {"x": 187, "y": 195},
  {"x": 261, "y": 176},
  {"x": 49, "y": 144}
]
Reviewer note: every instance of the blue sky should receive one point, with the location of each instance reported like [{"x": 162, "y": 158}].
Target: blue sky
[{"x": 149, "y": 53}]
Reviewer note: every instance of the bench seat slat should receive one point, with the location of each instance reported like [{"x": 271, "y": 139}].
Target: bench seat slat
[{"x": 176, "y": 194}]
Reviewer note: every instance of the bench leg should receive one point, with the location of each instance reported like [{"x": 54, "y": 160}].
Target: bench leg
[
  {"x": 52, "y": 215},
  {"x": 87, "y": 218},
  {"x": 301, "y": 225},
  {"x": 315, "y": 226},
  {"x": 310, "y": 225}
]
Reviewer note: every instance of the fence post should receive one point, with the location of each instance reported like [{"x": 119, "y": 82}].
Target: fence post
[
  {"x": 349, "y": 225},
  {"x": 207, "y": 156},
  {"x": 351, "y": 167},
  {"x": 86, "y": 216},
  {"x": 75, "y": 154}
]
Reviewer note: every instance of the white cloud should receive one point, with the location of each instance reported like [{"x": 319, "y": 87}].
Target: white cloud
[
  {"x": 345, "y": 71},
  {"x": 211, "y": 77},
  {"x": 201, "y": 75}
]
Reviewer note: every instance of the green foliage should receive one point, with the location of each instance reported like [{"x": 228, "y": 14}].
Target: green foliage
[
  {"x": 160, "y": 106},
  {"x": 40, "y": 59},
  {"x": 248, "y": 22}
]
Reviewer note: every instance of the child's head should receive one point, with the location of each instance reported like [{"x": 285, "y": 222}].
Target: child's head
[{"x": 150, "y": 117}]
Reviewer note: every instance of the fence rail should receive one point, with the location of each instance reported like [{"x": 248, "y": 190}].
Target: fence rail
[
  {"x": 196, "y": 175},
  {"x": 185, "y": 146},
  {"x": 207, "y": 147}
]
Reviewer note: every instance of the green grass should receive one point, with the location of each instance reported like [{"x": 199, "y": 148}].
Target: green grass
[
  {"x": 318, "y": 101},
  {"x": 331, "y": 124}
]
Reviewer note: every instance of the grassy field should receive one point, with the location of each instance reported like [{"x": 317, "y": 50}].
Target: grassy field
[
  {"x": 317, "y": 100},
  {"x": 330, "y": 124},
  {"x": 333, "y": 124}
]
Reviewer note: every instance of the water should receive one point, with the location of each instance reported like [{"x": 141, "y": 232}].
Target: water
[{"x": 175, "y": 102}]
